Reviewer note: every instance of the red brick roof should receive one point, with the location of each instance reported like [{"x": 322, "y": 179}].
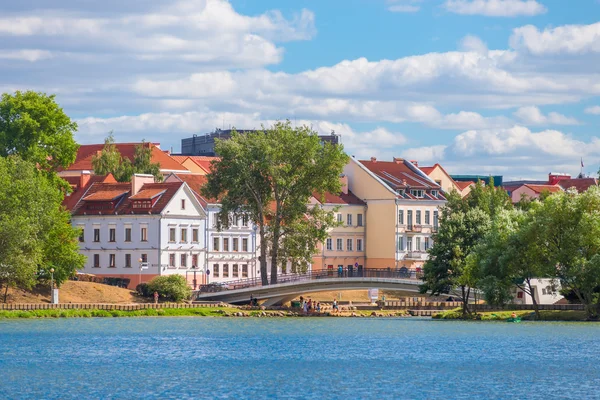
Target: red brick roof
[
  {"x": 195, "y": 182},
  {"x": 106, "y": 195},
  {"x": 70, "y": 201},
  {"x": 125, "y": 204},
  {"x": 204, "y": 162},
  {"x": 544, "y": 188},
  {"x": 427, "y": 170},
  {"x": 342, "y": 198},
  {"x": 462, "y": 185},
  {"x": 581, "y": 184},
  {"x": 147, "y": 194},
  {"x": 86, "y": 152}
]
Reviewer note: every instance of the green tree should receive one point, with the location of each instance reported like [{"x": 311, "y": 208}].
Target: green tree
[
  {"x": 109, "y": 160},
  {"x": 490, "y": 199},
  {"x": 35, "y": 233},
  {"x": 33, "y": 126},
  {"x": 269, "y": 175},
  {"x": 171, "y": 287}
]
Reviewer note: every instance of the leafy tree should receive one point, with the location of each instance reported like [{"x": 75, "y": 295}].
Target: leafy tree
[
  {"x": 110, "y": 161},
  {"x": 490, "y": 199},
  {"x": 449, "y": 265},
  {"x": 171, "y": 287},
  {"x": 33, "y": 126},
  {"x": 269, "y": 175},
  {"x": 35, "y": 233}
]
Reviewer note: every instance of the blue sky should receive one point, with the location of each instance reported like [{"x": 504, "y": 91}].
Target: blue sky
[{"x": 508, "y": 87}]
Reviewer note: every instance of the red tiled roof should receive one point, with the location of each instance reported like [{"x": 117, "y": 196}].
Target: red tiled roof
[
  {"x": 204, "y": 162},
  {"x": 86, "y": 152},
  {"x": 125, "y": 205},
  {"x": 399, "y": 175},
  {"x": 106, "y": 195},
  {"x": 342, "y": 198},
  {"x": 427, "y": 170},
  {"x": 70, "y": 201},
  {"x": 195, "y": 182},
  {"x": 462, "y": 185},
  {"x": 580, "y": 184},
  {"x": 544, "y": 188},
  {"x": 147, "y": 194}
]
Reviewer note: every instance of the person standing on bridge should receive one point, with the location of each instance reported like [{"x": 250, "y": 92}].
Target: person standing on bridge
[
  {"x": 340, "y": 271},
  {"x": 335, "y": 306}
]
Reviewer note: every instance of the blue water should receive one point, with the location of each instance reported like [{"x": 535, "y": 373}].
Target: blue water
[{"x": 316, "y": 358}]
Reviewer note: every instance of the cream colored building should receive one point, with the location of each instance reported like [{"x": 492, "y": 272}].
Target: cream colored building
[
  {"x": 439, "y": 175},
  {"x": 402, "y": 211}
]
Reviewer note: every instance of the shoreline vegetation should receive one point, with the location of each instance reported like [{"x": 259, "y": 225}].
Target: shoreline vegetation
[{"x": 525, "y": 315}]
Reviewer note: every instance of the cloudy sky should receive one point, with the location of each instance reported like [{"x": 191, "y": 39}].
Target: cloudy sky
[{"x": 508, "y": 87}]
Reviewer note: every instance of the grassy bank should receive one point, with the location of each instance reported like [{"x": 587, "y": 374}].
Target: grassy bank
[
  {"x": 181, "y": 312},
  {"x": 525, "y": 315}
]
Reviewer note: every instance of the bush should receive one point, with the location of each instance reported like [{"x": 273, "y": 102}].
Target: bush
[
  {"x": 170, "y": 287},
  {"x": 142, "y": 290}
]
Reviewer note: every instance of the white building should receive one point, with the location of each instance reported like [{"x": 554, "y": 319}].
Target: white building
[
  {"x": 546, "y": 292},
  {"x": 141, "y": 229}
]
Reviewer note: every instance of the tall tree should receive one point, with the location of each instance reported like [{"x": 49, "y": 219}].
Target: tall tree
[
  {"x": 33, "y": 126},
  {"x": 270, "y": 176},
  {"x": 35, "y": 233},
  {"x": 109, "y": 160}
]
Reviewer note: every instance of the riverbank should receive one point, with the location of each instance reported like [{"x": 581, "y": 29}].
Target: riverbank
[
  {"x": 524, "y": 315},
  {"x": 186, "y": 312}
]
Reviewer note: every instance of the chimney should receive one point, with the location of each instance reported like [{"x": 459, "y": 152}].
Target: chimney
[
  {"x": 84, "y": 178},
  {"x": 373, "y": 159},
  {"x": 139, "y": 180},
  {"x": 398, "y": 160},
  {"x": 344, "y": 182}
]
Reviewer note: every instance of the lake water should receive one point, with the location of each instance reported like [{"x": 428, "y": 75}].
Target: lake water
[{"x": 304, "y": 358}]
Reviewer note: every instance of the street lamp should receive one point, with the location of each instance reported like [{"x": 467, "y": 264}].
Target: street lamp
[{"x": 51, "y": 280}]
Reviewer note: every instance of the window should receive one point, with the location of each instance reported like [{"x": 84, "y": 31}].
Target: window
[
  {"x": 418, "y": 193},
  {"x": 235, "y": 271},
  {"x": 418, "y": 217},
  {"x": 409, "y": 219},
  {"x": 183, "y": 204},
  {"x": 183, "y": 260},
  {"x": 359, "y": 246},
  {"x": 245, "y": 220},
  {"x": 359, "y": 221},
  {"x": 418, "y": 243},
  {"x": 216, "y": 270},
  {"x": 427, "y": 218},
  {"x": 426, "y": 243},
  {"x": 408, "y": 244},
  {"x": 216, "y": 244},
  {"x": 401, "y": 243},
  {"x": 349, "y": 219},
  {"x": 127, "y": 260},
  {"x": 96, "y": 235},
  {"x": 111, "y": 261},
  {"x": 434, "y": 193},
  {"x": 244, "y": 270},
  {"x": 128, "y": 234},
  {"x": 400, "y": 217},
  {"x": 245, "y": 244},
  {"x": 96, "y": 260},
  {"x": 349, "y": 245},
  {"x": 340, "y": 245},
  {"x": 172, "y": 260},
  {"x": 225, "y": 270},
  {"x": 112, "y": 235},
  {"x": 519, "y": 295},
  {"x": 194, "y": 260},
  {"x": 225, "y": 244},
  {"x": 339, "y": 218},
  {"x": 172, "y": 235},
  {"x": 329, "y": 244},
  {"x": 144, "y": 258},
  {"x": 184, "y": 235},
  {"x": 144, "y": 234},
  {"x": 435, "y": 220},
  {"x": 82, "y": 236},
  {"x": 195, "y": 235},
  {"x": 235, "y": 242}
]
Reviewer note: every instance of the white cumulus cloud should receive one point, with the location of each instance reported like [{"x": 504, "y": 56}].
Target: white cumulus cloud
[
  {"x": 567, "y": 39},
  {"x": 594, "y": 110},
  {"x": 495, "y": 8},
  {"x": 532, "y": 115}
]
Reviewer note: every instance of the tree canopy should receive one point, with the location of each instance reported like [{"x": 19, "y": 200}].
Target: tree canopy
[
  {"x": 33, "y": 126},
  {"x": 110, "y": 161},
  {"x": 269, "y": 175},
  {"x": 35, "y": 232}
]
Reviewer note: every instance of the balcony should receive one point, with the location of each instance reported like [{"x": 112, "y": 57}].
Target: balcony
[
  {"x": 415, "y": 255},
  {"x": 414, "y": 228}
]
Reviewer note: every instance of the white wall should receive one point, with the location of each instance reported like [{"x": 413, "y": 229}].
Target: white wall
[{"x": 547, "y": 292}]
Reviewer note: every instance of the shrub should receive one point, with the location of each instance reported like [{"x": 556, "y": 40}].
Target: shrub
[
  {"x": 171, "y": 287},
  {"x": 143, "y": 290}
]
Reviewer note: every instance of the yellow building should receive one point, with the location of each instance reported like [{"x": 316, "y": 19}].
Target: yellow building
[
  {"x": 439, "y": 175},
  {"x": 402, "y": 211}
]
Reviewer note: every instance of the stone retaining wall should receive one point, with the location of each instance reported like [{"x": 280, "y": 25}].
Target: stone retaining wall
[{"x": 99, "y": 306}]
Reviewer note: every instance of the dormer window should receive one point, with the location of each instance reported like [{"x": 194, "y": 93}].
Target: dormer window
[
  {"x": 142, "y": 204},
  {"x": 400, "y": 192},
  {"x": 418, "y": 193},
  {"x": 434, "y": 193}
]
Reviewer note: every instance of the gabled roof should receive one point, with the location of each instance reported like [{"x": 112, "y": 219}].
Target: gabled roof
[
  {"x": 195, "y": 182},
  {"x": 70, "y": 201},
  {"x": 204, "y": 162},
  {"x": 106, "y": 195},
  {"x": 342, "y": 198},
  {"x": 148, "y": 194},
  {"x": 124, "y": 205},
  {"x": 544, "y": 188},
  {"x": 580, "y": 184},
  {"x": 86, "y": 152},
  {"x": 464, "y": 185}
]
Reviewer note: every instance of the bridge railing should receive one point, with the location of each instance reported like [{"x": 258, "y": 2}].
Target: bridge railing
[{"x": 389, "y": 273}]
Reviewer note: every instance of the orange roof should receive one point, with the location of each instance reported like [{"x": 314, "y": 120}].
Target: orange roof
[
  {"x": 342, "y": 198},
  {"x": 86, "y": 152},
  {"x": 106, "y": 195},
  {"x": 195, "y": 182},
  {"x": 204, "y": 162},
  {"x": 544, "y": 188},
  {"x": 427, "y": 170},
  {"x": 147, "y": 194},
  {"x": 462, "y": 185}
]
